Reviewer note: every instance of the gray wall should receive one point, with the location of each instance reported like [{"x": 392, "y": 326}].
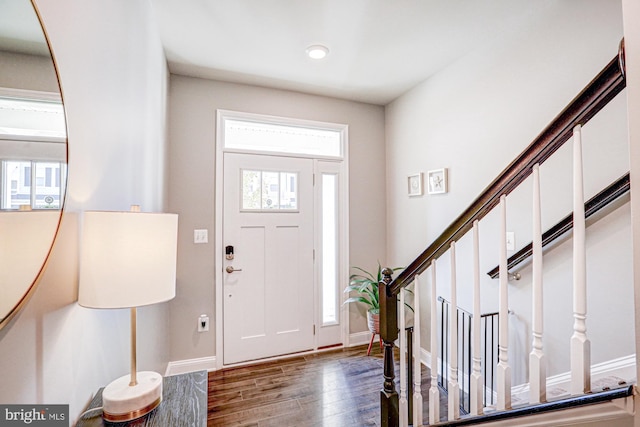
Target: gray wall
[
  {"x": 474, "y": 117},
  {"x": 28, "y": 72},
  {"x": 114, "y": 79},
  {"x": 193, "y": 104}
]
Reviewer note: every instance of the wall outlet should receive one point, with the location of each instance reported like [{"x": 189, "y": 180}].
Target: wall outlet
[{"x": 203, "y": 323}]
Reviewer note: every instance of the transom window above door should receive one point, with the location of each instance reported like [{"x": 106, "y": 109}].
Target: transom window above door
[{"x": 243, "y": 132}]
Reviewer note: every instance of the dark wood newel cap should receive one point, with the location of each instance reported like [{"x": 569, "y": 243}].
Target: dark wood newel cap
[{"x": 386, "y": 274}]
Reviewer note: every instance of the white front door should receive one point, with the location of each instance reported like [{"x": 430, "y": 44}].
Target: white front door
[{"x": 268, "y": 285}]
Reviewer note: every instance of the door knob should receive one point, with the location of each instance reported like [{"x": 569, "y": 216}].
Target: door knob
[{"x": 230, "y": 269}]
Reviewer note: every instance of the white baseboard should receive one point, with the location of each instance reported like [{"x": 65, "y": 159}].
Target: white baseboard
[
  {"x": 359, "y": 338},
  {"x": 191, "y": 365},
  {"x": 425, "y": 358},
  {"x": 623, "y": 367},
  {"x": 602, "y": 414},
  {"x": 209, "y": 363}
]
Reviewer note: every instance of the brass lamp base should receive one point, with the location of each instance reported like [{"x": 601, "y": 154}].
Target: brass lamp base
[{"x": 123, "y": 402}]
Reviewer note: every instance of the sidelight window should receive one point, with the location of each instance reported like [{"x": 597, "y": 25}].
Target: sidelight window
[{"x": 330, "y": 259}]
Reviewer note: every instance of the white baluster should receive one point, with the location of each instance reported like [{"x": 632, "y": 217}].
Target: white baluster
[
  {"x": 404, "y": 407},
  {"x": 417, "y": 365},
  {"x": 537, "y": 362},
  {"x": 580, "y": 345},
  {"x": 434, "y": 392},
  {"x": 503, "y": 370},
  {"x": 477, "y": 385},
  {"x": 453, "y": 387}
]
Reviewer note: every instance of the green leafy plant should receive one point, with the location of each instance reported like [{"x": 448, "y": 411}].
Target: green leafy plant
[{"x": 365, "y": 285}]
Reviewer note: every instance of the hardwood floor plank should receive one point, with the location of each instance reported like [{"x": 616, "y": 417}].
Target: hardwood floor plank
[
  {"x": 221, "y": 388},
  {"x": 250, "y": 417},
  {"x": 337, "y": 388},
  {"x": 245, "y": 373},
  {"x": 284, "y": 389},
  {"x": 255, "y": 402},
  {"x": 223, "y": 399}
]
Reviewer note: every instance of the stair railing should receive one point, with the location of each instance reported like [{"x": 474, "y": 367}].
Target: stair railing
[
  {"x": 602, "y": 89},
  {"x": 488, "y": 345}
]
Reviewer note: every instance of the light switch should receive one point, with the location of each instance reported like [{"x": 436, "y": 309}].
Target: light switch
[
  {"x": 511, "y": 241},
  {"x": 201, "y": 236}
]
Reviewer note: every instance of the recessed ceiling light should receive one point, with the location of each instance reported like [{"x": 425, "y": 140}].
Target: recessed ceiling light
[{"x": 317, "y": 51}]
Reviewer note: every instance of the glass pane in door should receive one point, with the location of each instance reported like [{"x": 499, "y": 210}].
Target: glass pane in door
[{"x": 329, "y": 249}]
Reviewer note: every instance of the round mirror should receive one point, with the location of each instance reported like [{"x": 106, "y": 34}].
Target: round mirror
[{"x": 33, "y": 154}]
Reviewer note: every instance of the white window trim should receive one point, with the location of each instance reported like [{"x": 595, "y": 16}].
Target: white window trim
[{"x": 6, "y": 92}]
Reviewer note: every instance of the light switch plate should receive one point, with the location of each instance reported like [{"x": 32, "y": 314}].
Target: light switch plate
[
  {"x": 511, "y": 241},
  {"x": 201, "y": 236}
]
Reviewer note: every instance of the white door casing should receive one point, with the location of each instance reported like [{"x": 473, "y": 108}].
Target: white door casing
[{"x": 327, "y": 333}]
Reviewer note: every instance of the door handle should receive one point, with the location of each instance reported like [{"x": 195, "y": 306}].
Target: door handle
[{"x": 230, "y": 269}]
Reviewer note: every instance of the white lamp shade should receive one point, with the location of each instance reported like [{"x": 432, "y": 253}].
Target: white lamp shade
[{"x": 127, "y": 259}]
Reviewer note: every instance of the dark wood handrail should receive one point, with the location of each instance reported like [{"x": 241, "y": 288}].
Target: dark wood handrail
[
  {"x": 594, "y": 205},
  {"x": 602, "y": 89}
]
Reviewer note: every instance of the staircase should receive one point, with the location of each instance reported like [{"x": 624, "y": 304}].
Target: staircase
[{"x": 542, "y": 400}]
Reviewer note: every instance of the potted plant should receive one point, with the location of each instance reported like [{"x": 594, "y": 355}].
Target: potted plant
[{"x": 365, "y": 285}]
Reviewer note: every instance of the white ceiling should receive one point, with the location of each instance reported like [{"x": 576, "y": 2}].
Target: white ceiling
[
  {"x": 378, "y": 48},
  {"x": 20, "y": 30}
]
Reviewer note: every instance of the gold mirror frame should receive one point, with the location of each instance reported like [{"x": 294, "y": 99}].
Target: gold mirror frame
[{"x": 26, "y": 44}]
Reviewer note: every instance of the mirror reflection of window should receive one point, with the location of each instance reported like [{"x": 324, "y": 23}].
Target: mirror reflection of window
[{"x": 31, "y": 122}]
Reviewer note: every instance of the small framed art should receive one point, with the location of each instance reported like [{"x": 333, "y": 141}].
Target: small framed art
[
  {"x": 414, "y": 185},
  {"x": 437, "y": 181}
]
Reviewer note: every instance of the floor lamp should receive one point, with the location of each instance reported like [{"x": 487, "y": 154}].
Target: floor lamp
[{"x": 128, "y": 260}]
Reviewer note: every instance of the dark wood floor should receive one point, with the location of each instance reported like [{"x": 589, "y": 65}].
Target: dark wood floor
[{"x": 331, "y": 389}]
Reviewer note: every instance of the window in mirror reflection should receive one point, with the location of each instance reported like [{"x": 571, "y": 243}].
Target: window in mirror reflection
[
  {"x": 33, "y": 166},
  {"x": 36, "y": 185},
  {"x": 35, "y": 118}
]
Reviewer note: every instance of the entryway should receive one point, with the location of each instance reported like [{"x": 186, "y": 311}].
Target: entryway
[{"x": 280, "y": 236}]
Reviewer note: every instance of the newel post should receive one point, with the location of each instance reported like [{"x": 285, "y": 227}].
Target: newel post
[{"x": 389, "y": 411}]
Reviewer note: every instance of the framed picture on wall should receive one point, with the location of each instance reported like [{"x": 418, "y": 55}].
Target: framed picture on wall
[
  {"x": 414, "y": 185},
  {"x": 437, "y": 181}
]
